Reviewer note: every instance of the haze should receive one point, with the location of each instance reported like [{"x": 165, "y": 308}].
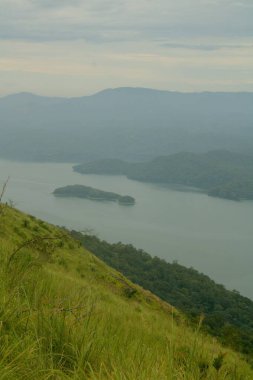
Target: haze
[{"x": 77, "y": 47}]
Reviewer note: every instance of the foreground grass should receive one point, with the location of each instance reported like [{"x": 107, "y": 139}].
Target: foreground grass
[{"x": 66, "y": 315}]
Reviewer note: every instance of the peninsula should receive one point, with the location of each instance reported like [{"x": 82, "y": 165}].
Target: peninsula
[{"x": 218, "y": 173}]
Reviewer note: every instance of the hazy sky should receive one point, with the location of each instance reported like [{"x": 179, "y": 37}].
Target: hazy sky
[{"x": 77, "y": 47}]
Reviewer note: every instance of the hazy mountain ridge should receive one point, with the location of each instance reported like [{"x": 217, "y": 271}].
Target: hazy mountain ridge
[{"x": 126, "y": 123}]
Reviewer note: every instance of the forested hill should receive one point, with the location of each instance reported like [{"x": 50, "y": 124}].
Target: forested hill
[
  {"x": 126, "y": 123},
  {"x": 219, "y": 173},
  {"x": 227, "y": 314}
]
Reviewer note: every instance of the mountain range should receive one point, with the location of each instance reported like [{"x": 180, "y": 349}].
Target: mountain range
[{"x": 125, "y": 123}]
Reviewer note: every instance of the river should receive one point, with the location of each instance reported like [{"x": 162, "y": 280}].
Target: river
[{"x": 212, "y": 235}]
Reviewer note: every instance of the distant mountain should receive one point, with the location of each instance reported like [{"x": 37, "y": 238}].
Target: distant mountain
[
  {"x": 219, "y": 173},
  {"x": 124, "y": 123}
]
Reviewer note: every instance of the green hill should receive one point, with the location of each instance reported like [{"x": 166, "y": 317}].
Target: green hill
[
  {"x": 227, "y": 314},
  {"x": 219, "y": 173},
  {"x": 64, "y": 314}
]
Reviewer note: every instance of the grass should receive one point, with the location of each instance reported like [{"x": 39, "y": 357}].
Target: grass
[{"x": 65, "y": 315}]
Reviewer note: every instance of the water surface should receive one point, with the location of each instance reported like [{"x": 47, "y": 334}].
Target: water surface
[{"x": 212, "y": 235}]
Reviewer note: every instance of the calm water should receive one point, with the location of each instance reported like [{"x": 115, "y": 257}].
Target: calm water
[{"x": 213, "y": 235}]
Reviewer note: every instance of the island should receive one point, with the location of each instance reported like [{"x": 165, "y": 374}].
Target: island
[
  {"x": 87, "y": 192},
  {"x": 217, "y": 173}
]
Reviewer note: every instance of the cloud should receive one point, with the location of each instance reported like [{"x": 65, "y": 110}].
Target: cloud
[
  {"x": 205, "y": 47},
  {"x": 56, "y": 3},
  {"x": 108, "y": 20},
  {"x": 75, "y": 44}
]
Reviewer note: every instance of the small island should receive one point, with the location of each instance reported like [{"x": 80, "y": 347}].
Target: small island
[
  {"x": 87, "y": 192},
  {"x": 218, "y": 173}
]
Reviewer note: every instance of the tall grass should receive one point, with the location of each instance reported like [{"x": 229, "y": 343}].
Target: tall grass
[{"x": 57, "y": 322}]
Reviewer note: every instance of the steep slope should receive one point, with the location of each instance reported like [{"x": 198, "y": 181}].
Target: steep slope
[
  {"x": 65, "y": 315},
  {"x": 227, "y": 314}
]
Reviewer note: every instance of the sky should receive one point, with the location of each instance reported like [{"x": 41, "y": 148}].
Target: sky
[{"x": 79, "y": 47}]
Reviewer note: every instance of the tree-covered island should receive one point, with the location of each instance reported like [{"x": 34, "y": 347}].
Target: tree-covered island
[
  {"x": 87, "y": 192},
  {"x": 218, "y": 173}
]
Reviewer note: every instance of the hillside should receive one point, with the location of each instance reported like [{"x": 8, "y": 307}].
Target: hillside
[
  {"x": 127, "y": 123},
  {"x": 219, "y": 173},
  {"x": 66, "y": 315},
  {"x": 228, "y": 315}
]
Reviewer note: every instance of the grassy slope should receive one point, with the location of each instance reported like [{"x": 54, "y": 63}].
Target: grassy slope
[
  {"x": 228, "y": 315},
  {"x": 65, "y": 315}
]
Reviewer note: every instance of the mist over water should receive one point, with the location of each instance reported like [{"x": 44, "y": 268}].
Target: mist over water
[{"x": 212, "y": 235}]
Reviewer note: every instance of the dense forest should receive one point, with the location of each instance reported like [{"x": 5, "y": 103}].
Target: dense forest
[
  {"x": 219, "y": 173},
  {"x": 81, "y": 191},
  {"x": 227, "y": 314}
]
